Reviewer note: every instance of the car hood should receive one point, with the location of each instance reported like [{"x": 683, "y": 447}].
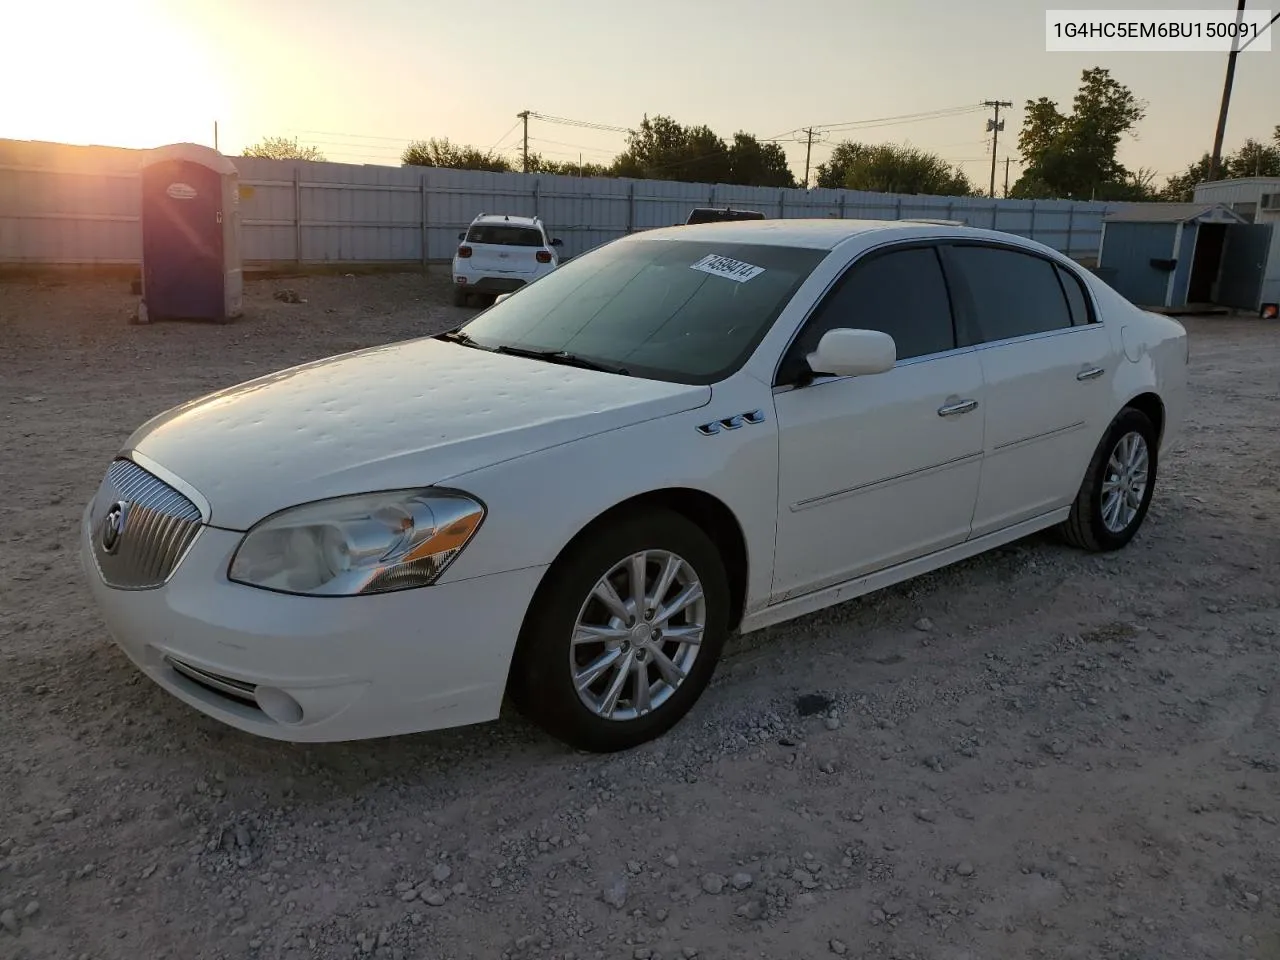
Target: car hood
[{"x": 402, "y": 415}]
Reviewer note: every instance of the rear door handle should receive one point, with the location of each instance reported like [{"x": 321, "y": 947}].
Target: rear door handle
[
  {"x": 958, "y": 407},
  {"x": 1090, "y": 373}
]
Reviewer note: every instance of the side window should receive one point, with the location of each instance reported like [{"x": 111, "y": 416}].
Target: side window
[
  {"x": 1077, "y": 301},
  {"x": 902, "y": 293},
  {"x": 1013, "y": 294}
]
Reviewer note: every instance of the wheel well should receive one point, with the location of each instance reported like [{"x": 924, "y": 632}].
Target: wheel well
[
  {"x": 1151, "y": 405},
  {"x": 710, "y": 514}
]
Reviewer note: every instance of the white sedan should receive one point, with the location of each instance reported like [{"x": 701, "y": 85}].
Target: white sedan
[{"x": 575, "y": 498}]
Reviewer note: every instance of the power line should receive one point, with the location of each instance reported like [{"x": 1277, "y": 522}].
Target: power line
[
  {"x": 575, "y": 146},
  {"x": 585, "y": 124},
  {"x": 884, "y": 121},
  {"x": 503, "y": 137}
]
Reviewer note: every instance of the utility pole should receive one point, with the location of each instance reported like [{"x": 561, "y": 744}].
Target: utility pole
[
  {"x": 808, "y": 149},
  {"x": 994, "y": 127},
  {"x": 1215, "y": 162},
  {"x": 1006, "y": 178},
  {"x": 524, "y": 115}
]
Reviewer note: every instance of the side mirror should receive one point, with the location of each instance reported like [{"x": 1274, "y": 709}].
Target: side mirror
[
  {"x": 557, "y": 242},
  {"x": 853, "y": 353},
  {"x": 462, "y": 236},
  {"x": 500, "y": 297}
]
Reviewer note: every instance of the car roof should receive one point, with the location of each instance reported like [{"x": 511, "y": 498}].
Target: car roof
[
  {"x": 824, "y": 234},
  {"x": 505, "y": 218}
]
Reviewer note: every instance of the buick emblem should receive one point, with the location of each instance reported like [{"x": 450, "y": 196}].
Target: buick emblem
[{"x": 113, "y": 526}]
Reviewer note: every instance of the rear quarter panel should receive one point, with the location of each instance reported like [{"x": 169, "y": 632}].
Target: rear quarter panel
[{"x": 1151, "y": 352}]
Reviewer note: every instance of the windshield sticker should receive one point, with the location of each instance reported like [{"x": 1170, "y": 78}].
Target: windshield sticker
[{"x": 734, "y": 270}]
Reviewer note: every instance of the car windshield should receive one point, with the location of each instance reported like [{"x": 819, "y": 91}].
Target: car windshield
[
  {"x": 504, "y": 235},
  {"x": 689, "y": 311}
]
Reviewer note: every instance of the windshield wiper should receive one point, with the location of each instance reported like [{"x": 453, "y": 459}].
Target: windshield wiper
[
  {"x": 457, "y": 336},
  {"x": 563, "y": 357}
]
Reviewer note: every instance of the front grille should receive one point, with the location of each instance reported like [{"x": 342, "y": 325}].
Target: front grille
[
  {"x": 153, "y": 526},
  {"x": 226, "y": 686}
]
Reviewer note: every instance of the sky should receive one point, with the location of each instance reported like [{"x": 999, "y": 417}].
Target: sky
[{"x": 360, "y": 78}]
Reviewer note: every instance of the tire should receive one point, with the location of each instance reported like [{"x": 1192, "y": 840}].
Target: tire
[
  {"x": 460, "y": 295},
  {"x": 542, "y": 679},
  {"x": 1087, "y": 527}
]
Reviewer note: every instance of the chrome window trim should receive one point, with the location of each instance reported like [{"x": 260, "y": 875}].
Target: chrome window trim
[{"x": 923, "y": 358}]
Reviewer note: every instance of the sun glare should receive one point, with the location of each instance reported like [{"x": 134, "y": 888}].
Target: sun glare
[{"x": 129, "y": 73}]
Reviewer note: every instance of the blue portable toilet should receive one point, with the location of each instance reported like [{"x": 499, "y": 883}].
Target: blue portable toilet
[
  {"x": 1166, "y": 255},
  {"x": 191, "y": 263}
]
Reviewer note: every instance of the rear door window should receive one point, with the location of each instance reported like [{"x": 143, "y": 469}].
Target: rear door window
[
  {"x": 503, "y": 235},
  {"x": 1076, "y": 299},
  {"x": 1012, "y": 294}
]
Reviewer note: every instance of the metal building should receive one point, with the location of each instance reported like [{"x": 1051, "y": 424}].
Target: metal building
[
  {"x": 1171, "y": 255},
  {"x": 1257, "y": 199}
]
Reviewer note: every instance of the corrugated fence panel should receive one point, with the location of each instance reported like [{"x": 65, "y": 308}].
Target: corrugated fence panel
[{"x": 68, "y": 204}]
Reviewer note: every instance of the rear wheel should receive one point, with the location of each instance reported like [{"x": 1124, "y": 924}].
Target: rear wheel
[
  {"x": 460, "y": 295},
  {"x": 624, "y": 634},
  {"x": 1117, "y": 488}
]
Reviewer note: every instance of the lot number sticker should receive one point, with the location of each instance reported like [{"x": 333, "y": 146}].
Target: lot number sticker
[{"x": 734, "y": 270}]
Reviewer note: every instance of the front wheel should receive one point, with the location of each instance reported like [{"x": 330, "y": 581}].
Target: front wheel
[
  {"x": 1118, "y": 486},
  {"x": 624, "y": 634}
]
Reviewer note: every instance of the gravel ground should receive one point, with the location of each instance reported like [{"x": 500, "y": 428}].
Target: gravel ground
[{"x": 1037, "y": 753}]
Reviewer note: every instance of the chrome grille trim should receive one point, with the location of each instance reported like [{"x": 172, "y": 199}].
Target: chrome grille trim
[
  {"x": 159, "y": 527},
  {"x": 143, "y": 489},
  {"x": 236, "y": 689}
]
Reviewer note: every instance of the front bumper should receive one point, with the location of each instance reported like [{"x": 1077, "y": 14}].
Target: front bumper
[{"x": 318, "y": 669}]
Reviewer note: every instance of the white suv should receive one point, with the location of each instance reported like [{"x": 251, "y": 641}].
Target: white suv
[{"x": 499, "y": 254}]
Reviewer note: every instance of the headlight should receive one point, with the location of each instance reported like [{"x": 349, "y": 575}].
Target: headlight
[{"x": 373, "y": 543}]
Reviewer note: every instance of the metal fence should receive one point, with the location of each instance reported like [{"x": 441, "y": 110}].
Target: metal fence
[{"x": 62, "y": 204}]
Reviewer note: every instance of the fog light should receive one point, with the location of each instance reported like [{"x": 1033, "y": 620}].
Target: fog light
[{"x": 278, "y": 705}]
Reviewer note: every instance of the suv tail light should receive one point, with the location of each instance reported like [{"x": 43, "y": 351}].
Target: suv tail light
[
  {"x": 464, "y": 252},
  {"x": 544, "y": 256}
]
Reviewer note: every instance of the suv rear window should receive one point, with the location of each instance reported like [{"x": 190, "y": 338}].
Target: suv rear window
[
  {"x": 505, "y": 236},
  {"x": 714, "y": 215}
]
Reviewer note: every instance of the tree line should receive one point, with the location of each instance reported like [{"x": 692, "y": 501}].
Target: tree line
[{"x": 1066, "y": 154}]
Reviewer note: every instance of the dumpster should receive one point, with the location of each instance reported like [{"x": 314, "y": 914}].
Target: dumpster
[{"x": 191, "y": 262}]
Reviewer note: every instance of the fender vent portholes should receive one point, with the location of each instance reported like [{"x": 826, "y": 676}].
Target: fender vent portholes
[{"x": 731, "y": 423}]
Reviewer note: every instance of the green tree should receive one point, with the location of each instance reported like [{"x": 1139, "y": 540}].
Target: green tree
[
  {"x": 1253, "y": 159},
  {"x": 756, "y": 164},
  {"x": 282, "y": 148},
  {"x": 891, "y": 168},
  {"x": 1181, "y": 187},
  {"x": 1074, "y": 156},
  {"x": 441, "y": 152},
  {"x": 662, "y": 149},
  {"x": 567, "y": 168}
]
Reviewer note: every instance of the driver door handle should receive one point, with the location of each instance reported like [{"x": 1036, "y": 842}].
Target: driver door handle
[
  {"x": 1090, "y": 373},
  {"x": 957, "y": 407}
]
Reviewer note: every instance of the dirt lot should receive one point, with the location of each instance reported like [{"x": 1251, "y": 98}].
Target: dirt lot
[{"x": 1037, "y": 753}]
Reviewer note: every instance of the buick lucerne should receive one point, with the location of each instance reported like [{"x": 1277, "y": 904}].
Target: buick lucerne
[{"x": 573, "y": 499}]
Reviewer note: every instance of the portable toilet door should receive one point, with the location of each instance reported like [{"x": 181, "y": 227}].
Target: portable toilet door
[{"x": 191, "y": 268}]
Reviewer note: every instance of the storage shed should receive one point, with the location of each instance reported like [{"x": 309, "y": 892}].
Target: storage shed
[{"x": 1173, "y": 254}]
